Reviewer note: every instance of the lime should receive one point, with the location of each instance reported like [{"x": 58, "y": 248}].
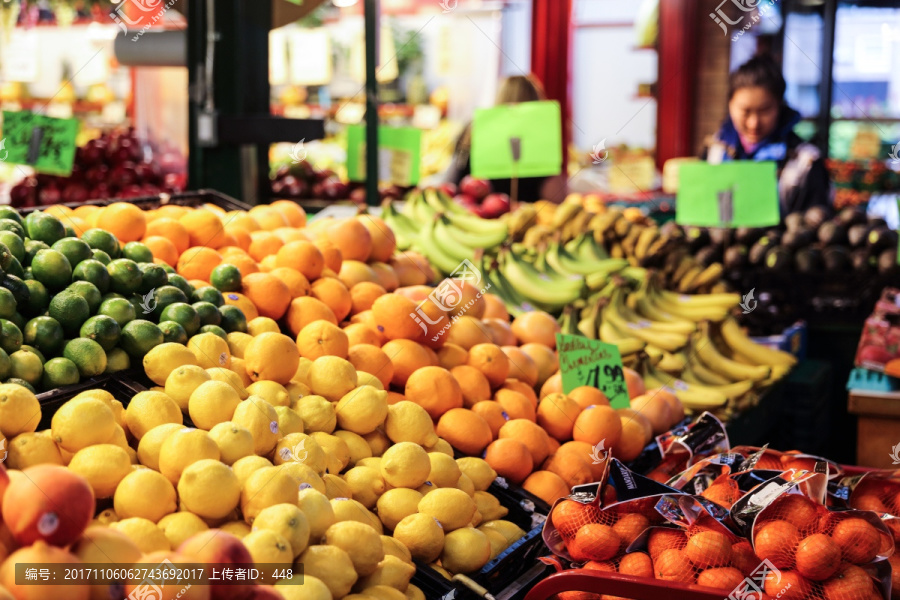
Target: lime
[
  {"x": 59, "y": 372},
  {"x": 101, "y": 256},
  {"x": 8, "y": 212},
  {"x": 168, "y": 269},
  {"x": 233, "y": 319},
  {"x": 143, "y": 305},
  {"x": 182, "y": 284},
  {"x": 209, "y": 314},
  {"x": 184, "y": 314},
  {"x": 226, "y": 278},
  {"x": 119, "y": 309},
  {"x": 100, "y": 239},
  {"x": 5, "y": 365},
  {"x": 45, "y": 334},
  {"x": 34, "y": 351},
  {"x": 15, "y": 268},
  {"x": 18, "y": 320},
  {"x": 74, "y": 249},
  {"x": 5, "y": 256},
  {"x": 71, "y": 310},
  {"x": 87, "y": 355},
  {"x": 152, "y": 277},
  {"x": 137, "y": 252},
  {"x": 89, "y": 292},
  {"x": 93, "y": 271},
  {"x": 39, "y": 298},
  {"x": 215, "y": 330},
  {"x": 166, "y": 295},
  {"x": 209, "y": 294},
  {"x": 7, "y": 304},
  {"x": 45, "y": 228},
  {"x": 117, "y": 360},
  {"x": 10, "y": 336},
  {"x": 18, "y": 288},
  {"x": 125, "y": 276},
  {"x": 26, "y": 365},
  {"x": 22, "y": 382},
  {"x": 14, "y": 244},
  {"x": 109, "y": 295},
  {"x": 139, "y": 337},
  {"x": 52, "y": 268},
  {"x": 31, "y": 248},
  {"x": 173, "y": 332},
  {"x": 14, "y": 226},
  {"x": 102, "y": 329}
]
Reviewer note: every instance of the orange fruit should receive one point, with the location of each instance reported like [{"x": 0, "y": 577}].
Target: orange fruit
[
  {"x": 536, "y": 327},
  {"x": 518, "y": 386},
  {"x": 516, "y": 405},
  {"x": 270, "y": 295},
  {"x": 360, "y": 333},
  {"x": 242, "y": 302},
  {"x": 722, "y": 578},
  {"x": 435, "y": 390},
  {"x": 198, "y": 262},
  {"x": 818, "y": 557},
  {"x": 776, "y": 540},
  {"x": 708, "y": 549},
  {"x": 594, "y": 541},
  {"x": 386, "y": 276},
  {"x": 547, "y": 486},
  {"x": 743, "y": 558},
  {"x": 352, "y": 238},
  {"x": 569, "y": 516},
  {"x": 330, "y": 253},
  {"x": 465, "y": 430},
  {"x": 635, "y": 436},
  {"x": 372, "y": 359},
  {"x": 271, "y": 356},
  {"x": 637, "y": 564},
  {"x": 849, "y": 583},
  {"x": 244, "y": 263},
  {"x": 553, "y": 385},
  {"x": 302, "y": 256},
  {"x": 662, "y": 539},
  {"x": 383, "y": 241},
  {"x": 125, "y": 221},
  {"x": 552, "y": 444},
  {"x": 304, "y": 310},
  {"x": 263, "y": 244},
  {"x": 724, "y": 494},
  {"x": 493, "y": 415},
  {"x": 407, "y": 357},
  {"x": 396, "y": 317},
  {"x": 162, "y": 249},
  {"x": 494, "y": 308},
  {"x": 510, "y": 458},
  {"x": 574, "y": 469},
  {"x": 634, "y": 382},
  {"x": 521, "y": 366},
  {"x": 556, "y": 413},
  {"x": 797, "y": 510},
  {"x": 474, "y": 385},
  {"x": 240, "y": 235},
  {"x": 335, "y": 294},
  {"x": 676, "y": 410},
  {"x": 672, "y": 565},
  {"x": 204, "y": 228},
  {"x": 585, "y": 395},
  {"x": 267, "y": 218},
  {"x": 289, "y": 234},
  {"x": 545, "y": 358},
  {"x": 363, "y": 295},
  {"x": 858, "y": 540},
  {"x": 297, "y": 284},
  {"x": 293, "y": 212},
  {"x": 582, "y": 450},
  {"x": 597, "y": 423},
  {"x": 501, "y": 333},
  {"x": 170, "y": 229},
  {"x": 630, "y": 526},
  {"x": 353, "y": 272},
  {"x": 467, "y": 332},
  {"x": 490, "y": 360},
  {"x": 655, "y": 409},
  {"x": 322, "y": 338},
  {"x": 527, "y": 432}
]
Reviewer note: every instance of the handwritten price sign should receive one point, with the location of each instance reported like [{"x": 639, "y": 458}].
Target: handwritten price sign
[{"x": 593, "y": 363}]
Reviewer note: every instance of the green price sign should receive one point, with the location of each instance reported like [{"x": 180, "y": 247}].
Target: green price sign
[
  {"x": 583, "y": 361},
  {"x": 399, "y": 154},
  {"x": 741, "y": 193},
  {"x": 517, "y": 140},
  {"x": 45, "y": 143}
]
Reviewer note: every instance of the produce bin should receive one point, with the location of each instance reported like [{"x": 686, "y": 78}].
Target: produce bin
[
  {"x": 190, "y": 199},
  {"x": 616, "y": 584}
]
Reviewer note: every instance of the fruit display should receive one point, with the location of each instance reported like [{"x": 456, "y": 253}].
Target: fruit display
[
  {"x": 855, "y": 181},
  {"x": 477, "y": 196},
  {"x": 115, "y": 165}
]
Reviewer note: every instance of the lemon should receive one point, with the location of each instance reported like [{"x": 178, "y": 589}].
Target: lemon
[
  {"x": 452, "y": 507},
  {"x": 29, "y": 449},
  {"x": 239, "y": 368},
  {"x": 335, "y": 487},
  {"x": 347, "y": 509},
  {"x": 337, "y": 452},
  {"x": 371, "y": 461},
  {"x": 356, "y": 444},
  {"x": 144, "y": 493},
  {"x": 477, "y": 469},
  {"x": 302, "y": 373},
  {"x": 288, "y": 420},
  {"x": 237, "y": 342},
  {"x": 150, "y": 445},
  {"x": 392, "y": 571},
  {"x": 378, "y": 442},
  {"x": 318, "y": 510},
  {"x": 98, "y": 394},
  {"x": 384, "y": 592},
  {"x": 81, "y": 423},
  {"x": 231, "y": 378},
  {"x": 238, "y": 529},
  {"x": 106, "y": 517},
  {"x": 297, "y": 390},
  {"x": 510, "y": 531},
  {"x": 331, "y": 565},
  {"x": 301, "y": 448},
  {"x": 465, "y": 550},
  {"x": 397, "y": 504},
  {"x": 363, "y": 378},
  {"x": 271, "y": 356},
  {"x": 269, "y": 548},
  {"x": 288, "y": 521},
  {"x": 210, "y": 350},
  {"x": 408, "y": 422},
  {"x": 393, "y": 547},
  {"x": 360, "y": 542},
  {"x": 264, "y": 488},
  {"x": 118, "y": 438},
  {"x": 489, "y": 507},
  {"x": 303, "y": 476},
  {"x": 498, "y": 542},
  {"x": 145, "y": 534},
  {"x": 182, "y": 382},
  {"x": 445, "y": 472},
  {"x": 20, "y": 411},
  {"x": 317, "y": 413},
  {"x": 405, "y": 465},
  {"x": 270, "y": 391},
  {"x": 165, "y": 358},
  {"x": 304, "y": 587},
  {"x": 442, "y": 446},
  {"x": 212, "y": 403},
  {"x": 260, "y": 418},
  {"x": 366, "y": 485},
  {"x": 234, "y": 442},
  {"x": 209, "y": 489},
  {"x": 422, "y": 535},
  {"x": 149, "y": 409},
  {"x": 331, "y": 377},
  {"x": 243, "y": 467},
  {"x": 262, "y": 325},
  {"x": 441, "y": 571},
  {"x": 362, "y": 410},
  {"x": 182, "y": 448},
  {"x": 414, "y": 593},
  {"x": 179, "y": 526},
  {"x": 103, "y": 465},
  {"x": 465, "y": 484}
]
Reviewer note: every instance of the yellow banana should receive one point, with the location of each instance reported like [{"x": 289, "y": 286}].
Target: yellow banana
[
  {"x": 712, "y": 358},
  {"x": 741, "y": 344}
]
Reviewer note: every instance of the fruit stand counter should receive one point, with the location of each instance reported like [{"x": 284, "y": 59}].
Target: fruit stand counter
[{"x": 878, "y": 426}]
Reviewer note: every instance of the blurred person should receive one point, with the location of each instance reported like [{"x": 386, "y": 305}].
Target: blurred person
[{"x": 760, "y": 127}]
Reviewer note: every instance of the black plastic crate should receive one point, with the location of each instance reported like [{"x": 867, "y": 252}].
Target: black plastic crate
[
  {"x": 121, "y": 387},
  {"x": 191, "y": 199}
]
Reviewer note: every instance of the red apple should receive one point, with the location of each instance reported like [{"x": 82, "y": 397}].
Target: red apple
[
  {"x": 477, "y": 188},
  {"x": 449, "y": 188},
  {"x": 495, "y": 205}
]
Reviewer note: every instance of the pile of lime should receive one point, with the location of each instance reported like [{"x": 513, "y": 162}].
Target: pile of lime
[{"x": 74, "y": 307}]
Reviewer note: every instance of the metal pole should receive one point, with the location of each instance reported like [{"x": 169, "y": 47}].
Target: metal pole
[
  {"x": 373, "y": 18},
  {"x": 825, "y": 89}
]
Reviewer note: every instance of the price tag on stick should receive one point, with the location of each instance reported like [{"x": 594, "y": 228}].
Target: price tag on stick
[
  {"x": 43, "y": 142},
  {"x": 538, "y": 152},
  {"x": 732, "y": 194},
  {"x": 583, "y": 361}
]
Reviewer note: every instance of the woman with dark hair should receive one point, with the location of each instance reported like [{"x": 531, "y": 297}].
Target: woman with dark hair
[{"x": 760, "y": 127}]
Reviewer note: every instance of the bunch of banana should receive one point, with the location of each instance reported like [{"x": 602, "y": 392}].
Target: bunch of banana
[
  {"x": 544, "y": 288},
  {"x": 658, "y": 304},
  {"x": 405, "y": 231},
  {"x": 502, "y": 288},
  {"x": 693, "y": 396}
]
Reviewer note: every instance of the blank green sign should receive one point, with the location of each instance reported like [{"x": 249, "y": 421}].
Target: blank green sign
[
  {"x": 538, "y": 128},
  {"x": 733, "y": 194}
]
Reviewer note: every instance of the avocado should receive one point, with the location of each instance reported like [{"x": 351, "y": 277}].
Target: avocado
[
  {"x": 793, "y": 221},
  {"x": 794, "y": 239},
  {"x": 836, "y": 258},
  {"x": 887, "y": 263},
  {"x": 758, "y": 252},
  {"x": 708, "y": 255},
  {"x": 856, "y": 234},
  {"x": 862, "y": 260},
  {"x": 832, "y": 232},
  {"x": 747, "y": 235},
  {"x": 815, "y": 216},
  {"x": 880, "y": 238},
  {"x": 778, "y": 259},
  {"x": 735, "y": 258},
  {"x": 850, "y": 216},
  {"x": 808, "y": 261}
]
